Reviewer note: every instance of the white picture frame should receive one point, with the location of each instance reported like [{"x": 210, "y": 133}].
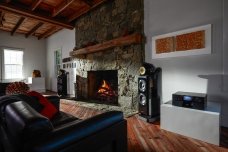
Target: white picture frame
[{"x": 206, "y": 50}]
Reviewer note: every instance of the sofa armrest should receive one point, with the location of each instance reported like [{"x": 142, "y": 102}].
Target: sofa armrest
[
  {"x": 75, "y": 132},
  {"x": 24, "y": 123}
]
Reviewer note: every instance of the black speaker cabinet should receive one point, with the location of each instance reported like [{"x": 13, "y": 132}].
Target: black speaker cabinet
[
  {"x": 149, "y": 102},
  {"x": 62, "y": 85}
]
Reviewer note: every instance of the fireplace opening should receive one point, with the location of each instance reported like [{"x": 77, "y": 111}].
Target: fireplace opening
[{"x": 103, "y": 86}]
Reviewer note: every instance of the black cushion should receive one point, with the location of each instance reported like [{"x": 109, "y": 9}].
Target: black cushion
[
  {"x": 1, "y": 146},
  {"x": 62, "y": 118}
]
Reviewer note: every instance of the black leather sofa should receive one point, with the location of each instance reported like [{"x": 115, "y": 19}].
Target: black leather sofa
[{"x": 23, "y": 129}]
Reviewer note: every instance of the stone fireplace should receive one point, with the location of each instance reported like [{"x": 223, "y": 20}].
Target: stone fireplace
[{"x": 114, "y": 19}]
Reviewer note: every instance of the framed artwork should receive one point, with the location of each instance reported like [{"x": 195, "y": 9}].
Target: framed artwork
[
  {"x": 58, "y": 60},
  {"x": 193, "y": 41}
]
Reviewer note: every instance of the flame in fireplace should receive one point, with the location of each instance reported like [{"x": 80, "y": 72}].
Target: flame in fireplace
[{"x": 105, "y": 89}]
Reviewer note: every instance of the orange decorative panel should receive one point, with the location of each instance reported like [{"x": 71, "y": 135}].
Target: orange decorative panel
[
  {"x": 190, "y": 41},
  {"x": 164, "y": 45}
]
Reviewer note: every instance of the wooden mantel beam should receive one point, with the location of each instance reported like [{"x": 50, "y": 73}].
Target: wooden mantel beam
[
  {"x": 61, "y": 7},
  {"x": 33, "y": 30},
  {"x": 20, "y": 21},
  {"x": 30, "y": 14},
  {"x": 35, "y": 4},
  {"x": 135, "y": 38},
  {"x": 77, "y": 14}
]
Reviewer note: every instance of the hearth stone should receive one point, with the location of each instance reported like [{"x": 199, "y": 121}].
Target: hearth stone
[{"x": 126, "y": 110}]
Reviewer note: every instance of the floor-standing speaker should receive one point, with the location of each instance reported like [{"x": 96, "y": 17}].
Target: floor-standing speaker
[
  {"x": 62, "y": 84},
  {"x": 149, "y": 94}
]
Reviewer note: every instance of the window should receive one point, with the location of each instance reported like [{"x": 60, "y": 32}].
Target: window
[{"x": 12, "y": 64}]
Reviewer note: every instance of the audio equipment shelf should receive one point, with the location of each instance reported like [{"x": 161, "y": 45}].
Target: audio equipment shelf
[
  {"x": 199, "y": 124},
  {"x": 135, "y": 38}
]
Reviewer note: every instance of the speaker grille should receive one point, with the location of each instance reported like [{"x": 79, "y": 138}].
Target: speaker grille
[
  {"x": 142, "y": 99},
  {"x": 142, "y": 85}
]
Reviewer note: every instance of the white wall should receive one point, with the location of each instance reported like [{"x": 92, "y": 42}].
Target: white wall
[
  {"x": 225, "y": 44},
  {"x": 64, "y": 39},
  {"x": 34, "y": 51},
  {"x": 202, "y": 73}
]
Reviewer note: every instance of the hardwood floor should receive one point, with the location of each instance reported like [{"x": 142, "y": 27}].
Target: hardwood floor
[{"x": 146, "y": 137}]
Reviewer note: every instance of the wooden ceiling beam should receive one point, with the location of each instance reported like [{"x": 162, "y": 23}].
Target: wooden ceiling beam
[
  {"x": 35, "y": 4},
  {"x": 48, "y": 32},
  {"x": 1, "y": 18},
  {"x": 2, "y": 15},
  {"x": 51, "y": 33},
  {"x": 7, "y": 1},
  {"x": 78, "y": 14},
  {"x": 33, "y": 30},
  {"x": 33, "y": 15},
  {"x": 62, "y": 6},
  {"x": 88, "y": 2},
  {"x": 21, "y": 20}
]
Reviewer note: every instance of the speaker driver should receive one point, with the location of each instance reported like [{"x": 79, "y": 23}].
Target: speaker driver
[
  {"x": 142, "y": 99},
  {"x": 142, "y": 85},
  {"x": 142, "y": 70}
]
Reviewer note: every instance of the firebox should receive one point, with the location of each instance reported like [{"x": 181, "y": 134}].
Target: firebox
[{"x": 103, "y": 86}]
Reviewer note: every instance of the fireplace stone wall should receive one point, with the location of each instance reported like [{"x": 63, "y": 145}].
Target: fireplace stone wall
[{"x": 113, "y": 19}]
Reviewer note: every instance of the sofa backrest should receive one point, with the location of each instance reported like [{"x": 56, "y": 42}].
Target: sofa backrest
[{"x": 3, "y": 88}]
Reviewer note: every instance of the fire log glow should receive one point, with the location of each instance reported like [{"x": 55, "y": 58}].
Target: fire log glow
[{"x": 105, "y": 90}]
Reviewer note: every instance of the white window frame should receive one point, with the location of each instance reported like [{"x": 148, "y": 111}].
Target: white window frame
[{"x": 3, "y": 65}]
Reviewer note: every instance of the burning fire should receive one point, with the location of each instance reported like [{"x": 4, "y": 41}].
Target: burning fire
[{"x": 105, "y": 89}]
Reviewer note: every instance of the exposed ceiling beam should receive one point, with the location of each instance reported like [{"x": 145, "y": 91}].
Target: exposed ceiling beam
[
  {"x": 35, "y": 4},
  {"x": 33, "y": 30},
  {"x": 7, "y": 1},
  {"x": 17, "y": 25},
  {"x": 33, "y": 15},
  {"x": 62, "y": 6},
  {"x": 1, "y": 18},
  {"x": 51, "y": 33},
  {"x": 78, "y": 14},
  {"x": 88, "y": 2},
  {"x": 48, "y": 32}
]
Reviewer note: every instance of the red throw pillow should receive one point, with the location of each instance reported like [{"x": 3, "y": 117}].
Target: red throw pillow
[{"x": 49, "y": 110}]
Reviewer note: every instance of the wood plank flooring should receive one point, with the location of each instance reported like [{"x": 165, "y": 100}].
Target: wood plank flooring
[{"x": 146, "y": 137}]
